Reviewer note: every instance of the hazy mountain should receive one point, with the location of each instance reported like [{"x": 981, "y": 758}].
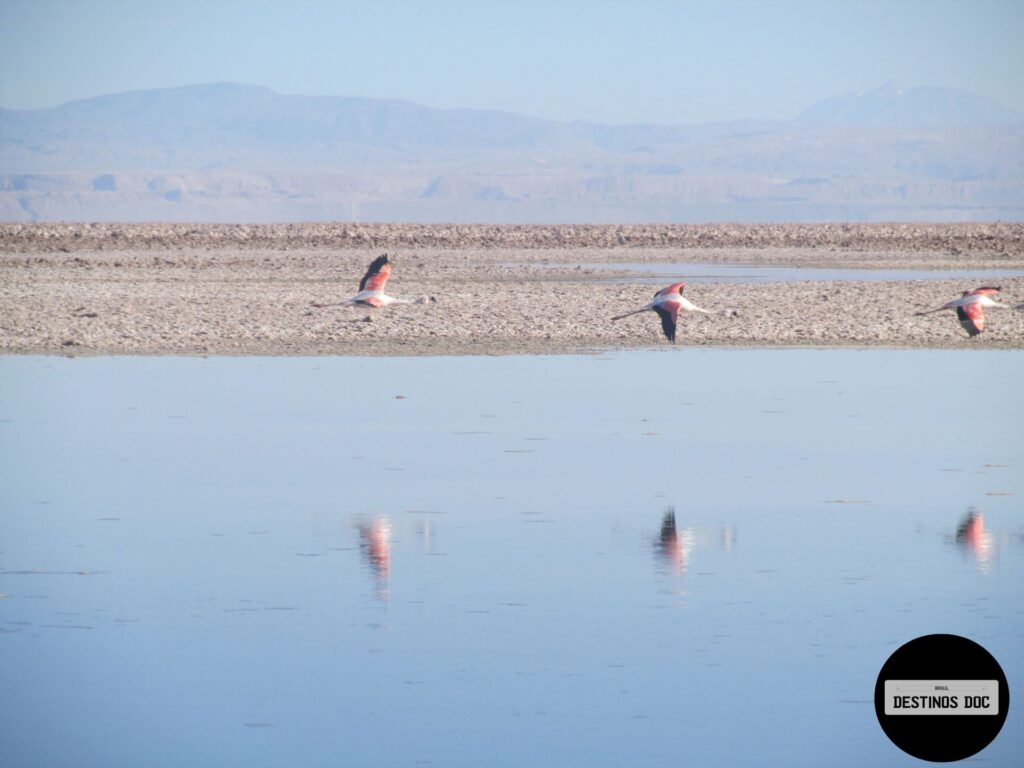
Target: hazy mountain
[
  {"x": 892, "y": 105},
  {"x": 229, "y": 152},
  {"x": 237, "y": 125}
]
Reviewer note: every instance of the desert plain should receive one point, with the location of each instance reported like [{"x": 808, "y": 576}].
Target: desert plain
[{"x": 218, "y": 289}]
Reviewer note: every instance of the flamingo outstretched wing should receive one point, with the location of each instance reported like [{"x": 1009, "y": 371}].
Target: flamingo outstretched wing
[
  {"x": 975, "y": 300},
  {"x": 972, "y": 318},
  {"x": 377, "y": 274},
  {"x": 669, "y": 313}
]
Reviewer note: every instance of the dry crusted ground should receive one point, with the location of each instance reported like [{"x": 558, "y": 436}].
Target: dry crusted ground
[{"x": 231, "y": 289}]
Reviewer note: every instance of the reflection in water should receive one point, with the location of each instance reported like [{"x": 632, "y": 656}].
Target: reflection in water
[
  {"x": 974, "y": 539},
  {"x": 425, "y": 531},
  {"x": 673, "y": 546},
  {"x": 728, "y": 537},
  {"x": 375, "y": 544},
  {"x": 566, "y": 636}
]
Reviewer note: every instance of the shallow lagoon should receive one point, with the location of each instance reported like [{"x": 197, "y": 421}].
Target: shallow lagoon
[{"x": 643, "y": 558}]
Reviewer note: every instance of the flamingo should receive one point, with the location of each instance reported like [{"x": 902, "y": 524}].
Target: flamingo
[
  {"x": 668, "y": 303},
  {"x": 970, "y": 308},
  {"x": 371, "y": 288}
]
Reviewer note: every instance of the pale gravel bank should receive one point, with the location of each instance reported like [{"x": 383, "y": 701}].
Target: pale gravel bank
[{"x": 247, "y": 290}]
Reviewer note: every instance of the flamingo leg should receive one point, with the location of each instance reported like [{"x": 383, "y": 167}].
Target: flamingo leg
[{"x": 634, "y": 312}]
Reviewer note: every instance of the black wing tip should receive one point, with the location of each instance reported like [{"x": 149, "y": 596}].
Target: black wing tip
[
  {"x": 668, "y": 325},
  {"x": 374, "y": 268},
  {"x": 967, "y": 323}
]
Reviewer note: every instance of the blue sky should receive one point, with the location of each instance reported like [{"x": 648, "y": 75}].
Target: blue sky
[{"x": 617, "y": 61}]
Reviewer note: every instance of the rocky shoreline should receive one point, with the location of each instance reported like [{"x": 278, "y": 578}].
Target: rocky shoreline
[{"x": 997, "y": 239}]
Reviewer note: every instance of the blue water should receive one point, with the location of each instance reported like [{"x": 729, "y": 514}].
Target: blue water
[
  {"x": 750, "y": 273},
  {"x": 648, "y": 558}
]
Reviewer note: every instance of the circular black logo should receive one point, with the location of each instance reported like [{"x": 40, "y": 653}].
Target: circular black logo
[{"x": 941, "y": 698}]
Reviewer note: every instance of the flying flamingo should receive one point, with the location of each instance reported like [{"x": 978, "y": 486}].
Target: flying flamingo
[
  {"x": 668, "y": 303},
  {"x": 371, "y": 288},
  {"x": 970, "y": 308}
]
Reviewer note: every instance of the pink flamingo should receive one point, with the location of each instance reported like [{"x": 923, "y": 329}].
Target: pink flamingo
[
  {"x": 668, "y": 303},
  {"x": 371, "y": 288},
  {"x": 970, "y": 308}
]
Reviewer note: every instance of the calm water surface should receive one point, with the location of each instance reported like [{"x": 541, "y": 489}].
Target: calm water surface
[{"x": 696, "y": 557}]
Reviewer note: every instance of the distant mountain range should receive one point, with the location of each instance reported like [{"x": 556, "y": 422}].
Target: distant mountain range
[
  {"x": 917, "y": 107},
  {"x": 230, "y": 152}
]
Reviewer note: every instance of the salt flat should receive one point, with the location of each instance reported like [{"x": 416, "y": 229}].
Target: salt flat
[{"x": 240, "y": 290}]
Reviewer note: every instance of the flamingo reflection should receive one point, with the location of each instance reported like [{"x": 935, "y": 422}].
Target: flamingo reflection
[
  {"x": 673, "y": 546},
  {"x": 974, "y": 539},
  {"x": 375, "y": 544}
]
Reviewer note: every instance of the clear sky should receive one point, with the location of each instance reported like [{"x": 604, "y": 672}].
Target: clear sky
[{"x": 616, "y": 61}]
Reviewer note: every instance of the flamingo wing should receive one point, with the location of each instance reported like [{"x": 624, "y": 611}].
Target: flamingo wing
[
  {"x": 984, "y": 291},
  {"x": 670, "y": 289},
  {"x": 669, "y": 314},
  {"x": 972, "y": 318},
  {"x": 376, "y": 275}
]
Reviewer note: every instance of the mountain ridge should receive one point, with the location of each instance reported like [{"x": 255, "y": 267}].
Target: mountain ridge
[
  {"x": 990, "y": 109},
  {"x": 219, "y": 151},
  {"x": 921, "y": 106}
]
